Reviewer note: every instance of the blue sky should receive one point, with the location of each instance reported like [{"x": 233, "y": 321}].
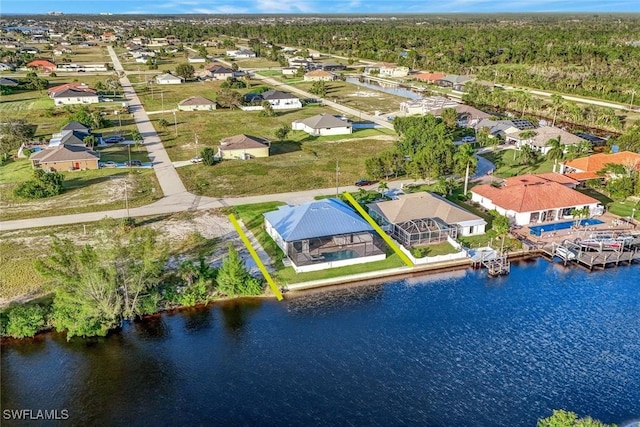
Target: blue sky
[{"x": 316, "y": 6}]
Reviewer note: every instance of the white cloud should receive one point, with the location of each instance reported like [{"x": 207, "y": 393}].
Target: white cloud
[
  {"x": 285, "y": 6},
  {"x": 222, "y": 10}
]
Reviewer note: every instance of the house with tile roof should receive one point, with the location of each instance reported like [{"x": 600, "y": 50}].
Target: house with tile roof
[
  {"x": 534, "y": 199},
  {"x": 196, "y": 103},
  {"x": 319, "y": 76},
  {"x": 428, "y": 77},
  {"x": 323, "y": 124},
  {"x": 586, "y": 168},
  {"x": 42, "y": 65},
  {"x": 423, "y": 218},
  {"x": 243, "y": 147},
  {"x": 323, "y": 234},
  {"x": 540, "y": 140}
]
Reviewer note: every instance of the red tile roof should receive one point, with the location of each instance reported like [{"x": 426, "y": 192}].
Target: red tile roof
[
  {"x": 75, "y": 85},
  {"x": 41, "y": 63},
  {"x": 429, "y": 77},
  {"x": 597, "y": 162},
  {"x": 533, "y": 197},
  {"x": 540, "y": 178},
  {"x": 584, "y": 176}
]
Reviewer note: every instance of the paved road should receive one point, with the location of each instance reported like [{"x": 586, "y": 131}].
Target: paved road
[{"x": 168, "y": 178}]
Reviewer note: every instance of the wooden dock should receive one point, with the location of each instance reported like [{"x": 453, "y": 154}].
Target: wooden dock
[
  {"x": 570, "y": 252},
  {"x": 496, "y": 264}
]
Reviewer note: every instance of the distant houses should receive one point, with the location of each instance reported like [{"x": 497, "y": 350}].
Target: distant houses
[
  {"x": 319, "y": 76},
  {"x": 585, "y": 168},
  {"x": 42, "y": 65},
  {"x": 541, "y": 136},
  {"x": 323, "y": 234},
  {"x": 279, "y": 100},
  {"x": 241, "y": 54},
  {"x": 323, "y": 124}
]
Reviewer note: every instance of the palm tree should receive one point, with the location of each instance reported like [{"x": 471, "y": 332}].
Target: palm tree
[
  {"x": 557, "y": 102},
  {"x": 556, "y": 152},
  {"x": 464, "y": 158},
  {"x": 527, "y": 154},
  {"x": 382, "y": 187}
]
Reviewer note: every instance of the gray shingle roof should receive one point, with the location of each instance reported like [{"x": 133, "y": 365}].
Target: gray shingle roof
[
  {"x": 325, "y": 121},
  {"x": 321, "y": 218},
  {"x": 242, "y": 142},
  {"x": 276, "y": 94},
  {"x": 197, "y": 100}
]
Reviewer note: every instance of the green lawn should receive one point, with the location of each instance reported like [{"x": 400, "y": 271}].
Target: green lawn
[
  {"x": 288, "y": 275},
  {"x": 442, "y": 248},
  {"x": 625, "y": 208},
  {"x": 252, "y": 218},
  {"x": 84, "y": 191},
  {"x": 508, "y": 164},
  {"x": 120, "y": 153}
]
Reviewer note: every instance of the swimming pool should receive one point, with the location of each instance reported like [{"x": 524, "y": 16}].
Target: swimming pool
[
  {"x": 339, "y": 255},
  {"x": 536, "y": 230}
]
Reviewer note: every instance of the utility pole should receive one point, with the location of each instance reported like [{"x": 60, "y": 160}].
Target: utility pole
[
  {"x": 337, "y": 177},
  {"x": 196, "y": 135},
  {"x": 175, "y": 122},
  {"x": 126, "y": 198},
  {"x": 162, "y": 97},
  {"x": 633, "y": 93},
  {"x": 129, "y": 148}
]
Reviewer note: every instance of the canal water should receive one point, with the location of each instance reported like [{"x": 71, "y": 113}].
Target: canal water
[
  {"x": 391, "y": 89},
  {"x": 452, "y": 349}
]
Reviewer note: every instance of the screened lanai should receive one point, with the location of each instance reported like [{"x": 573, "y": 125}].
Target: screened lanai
[{"x": 423, "y": 231}]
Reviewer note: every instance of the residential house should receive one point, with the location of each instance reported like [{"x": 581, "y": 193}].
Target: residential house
[
  {"x": 468, "y": 116},
  {"x": 243, "y": 147},
  {"x": 289, "y": 71},
  {"x": 218, "y": 72},
  {"x": 241, "y": 54},
  {"x": 426, "y": 105},
  {"x": 73, "y": 93},
  {"x": 42, "y": 65},
  {"x": 298, "y": 62},
  {"x": 323, "y": 234},
  {"x": 6, "y": 67},
  {"x": 196, "y": 103},
  {"x": 585, "y": 168},
  {"x": 319, "y": 76},
  {"x": 534, "y": 199},
  {"x": 393, "y": 70},
  {"x": 504, "y": 128},
  {"x": 169, "y": 79},
  {"x": 330, "y": 66},
  {"x": 196, "y": 60},
  {"x": 323, "y": 124},
  {"x": 428, "y": 77},
  {"x": 6, "y": 81},
  {"x": 423, "y": 218},
  {"x": 539, "y": 141},
  {"x": 108, "y": 37},
  {"x": 65, "y": 158},
  {"x": 281, "y": 100},
  {"x": 77, "y": 126},
  {"x": 453, "y": 81}
]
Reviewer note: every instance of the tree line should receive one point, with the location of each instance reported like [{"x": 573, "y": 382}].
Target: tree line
[{"x": 124, "y": 275}]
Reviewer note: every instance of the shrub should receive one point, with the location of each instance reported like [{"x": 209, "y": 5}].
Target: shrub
[
  {"x": 44, "y": 184},
  {"x": 25, "y": 320}
]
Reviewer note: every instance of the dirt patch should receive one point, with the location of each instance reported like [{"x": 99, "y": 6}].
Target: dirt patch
[{"x": 373, "y": 138}]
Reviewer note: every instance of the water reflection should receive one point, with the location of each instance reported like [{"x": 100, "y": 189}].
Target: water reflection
[
  {"x": 151, "y": 327},
  {"x": 235, "y": 315},
  {"x": 326, "y": 301},
  {"x": 196, "y": 319},
  {"x": 393, "y": 90}
]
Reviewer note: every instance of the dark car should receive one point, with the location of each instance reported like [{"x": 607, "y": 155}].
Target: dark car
[
  {"x": 113, "y": 139},
  {"x": 363, "y": 182},
  {"x": 133, "y": 163}
]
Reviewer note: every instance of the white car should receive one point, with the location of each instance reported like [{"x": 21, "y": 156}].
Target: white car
[{"x": 195, "y": 160}]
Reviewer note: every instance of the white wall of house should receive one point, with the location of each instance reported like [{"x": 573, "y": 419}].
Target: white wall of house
[
  {"x": 196, "y": 107},
  {"x": 285, "y": 104},
  {"x": 471, "y": 228},
  {"x": 345, "y": 130},
  {"x": 74, "y": 100},
  {"x": 169, "y": 82}
]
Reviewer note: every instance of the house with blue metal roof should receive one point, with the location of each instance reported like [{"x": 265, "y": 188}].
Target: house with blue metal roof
[{"x": 323, "y": 234}]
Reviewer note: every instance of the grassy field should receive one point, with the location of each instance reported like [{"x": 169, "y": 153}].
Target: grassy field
[
  {"x": 508, "y": 164},
  {"x": 256, "y": 63},
  {"x": 292, "y": 166},
  {"x": 85, "y": 191},
  {"x": 120, "y": 153},
  {"x": 360, "y": 98},
  {"x": 17, "y": 274}
]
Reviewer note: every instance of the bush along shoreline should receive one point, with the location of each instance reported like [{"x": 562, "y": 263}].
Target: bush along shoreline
[{"x": 96, "y": 288}]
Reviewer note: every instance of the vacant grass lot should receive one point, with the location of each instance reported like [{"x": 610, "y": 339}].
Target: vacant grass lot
[
  {"x": 508, "y": 164},
  {"x": 120, "y": 153},
  {"x": 292, "y": 166},
  {"x": 360, "y": 98},
  {"x": 85, "y": 191},
  {"x": 17, "y": 274}
]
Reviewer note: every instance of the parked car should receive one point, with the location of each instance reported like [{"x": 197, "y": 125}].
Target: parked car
[
  {"x": 363, "y": 182},
  {"x": 133, "y": 163},
  {"x": 468, "y": 139},
  {"x": 113, "y": 139},
  {"x": 109, "y": 164},
  {"x": 195, "y": 160}
]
